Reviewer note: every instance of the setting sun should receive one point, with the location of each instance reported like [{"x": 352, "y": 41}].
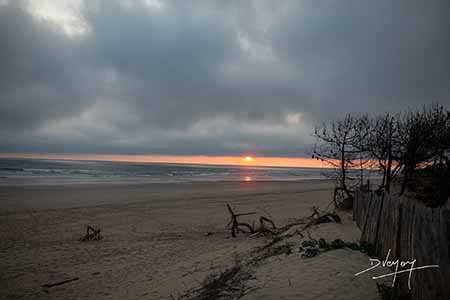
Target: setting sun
[{"x": 248, "y": 158}]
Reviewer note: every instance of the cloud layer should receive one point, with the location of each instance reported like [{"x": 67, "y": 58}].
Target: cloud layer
[{"x": 210, "y": 77}]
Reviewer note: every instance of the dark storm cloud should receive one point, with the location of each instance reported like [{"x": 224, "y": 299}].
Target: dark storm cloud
[
  {"x": 370, "y": 55},
  {"x": 39, "y": 77},
  {"x": 214, "y": 77}
]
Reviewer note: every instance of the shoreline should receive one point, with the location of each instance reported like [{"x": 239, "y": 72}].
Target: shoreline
[
  {"x": 48, "y": 172},
  {"x": 112, "y": 183},
  {"x": 136, "y": 181}
]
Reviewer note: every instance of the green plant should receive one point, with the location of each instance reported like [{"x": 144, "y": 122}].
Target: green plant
[{"x": 311, "y": 248}]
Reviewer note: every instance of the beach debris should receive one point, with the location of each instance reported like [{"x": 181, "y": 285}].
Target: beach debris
[
  {"x": 92, "y": 234},
  {"x": 50, "y": 285},
  {"x": 238, "y": 226},
  {"x": 318, "y": 218},
  {"x": 264, "y": 222},
  {"x": 266, "y": 225},
  {"x": 228, "y": 284}
]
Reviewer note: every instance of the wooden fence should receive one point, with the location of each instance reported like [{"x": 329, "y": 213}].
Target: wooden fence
[{"x": 411, "y": 231}]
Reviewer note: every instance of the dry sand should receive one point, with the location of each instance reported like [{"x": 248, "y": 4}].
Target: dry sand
[{"x": 160, "y": 240}]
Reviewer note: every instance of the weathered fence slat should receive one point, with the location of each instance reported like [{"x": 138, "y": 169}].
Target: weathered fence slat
[{"x": 411, "y": 231}]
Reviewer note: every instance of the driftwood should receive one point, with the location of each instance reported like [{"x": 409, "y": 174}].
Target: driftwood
[
  {"x": 92, "y": 234},
  {"x": 318, "y": 218},
  {"x": 229, "y": 283},
  {"x": 49, "y": 285},
  {"x": 315, "y": 218},
  {"x": 263, "y": 228},
  {"x": 267, "y": 226},
  {"x": 237, "y": 226}
]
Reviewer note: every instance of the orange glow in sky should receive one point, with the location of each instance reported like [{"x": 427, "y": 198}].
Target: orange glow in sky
[{"x": 189, "y": 159}]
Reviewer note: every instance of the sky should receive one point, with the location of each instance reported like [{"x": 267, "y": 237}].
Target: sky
[{"x": 210, "y": 78}]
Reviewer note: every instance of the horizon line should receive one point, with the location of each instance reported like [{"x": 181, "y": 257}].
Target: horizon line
[{"x": 229, "y": 160}]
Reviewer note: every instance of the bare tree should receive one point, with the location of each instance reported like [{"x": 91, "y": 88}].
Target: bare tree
[
  {"x": 412, "y": 144},
  {"x": 439, "y": 138},
  {"x": 424, "y": 138},
  {"x": 339, "y": 145},
  {"x": 382, "y": 145}
]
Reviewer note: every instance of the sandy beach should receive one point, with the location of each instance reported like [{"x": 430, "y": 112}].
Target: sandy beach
[
  {"x": 182, "y": 150},
  {"x": 162, "y": 240}
]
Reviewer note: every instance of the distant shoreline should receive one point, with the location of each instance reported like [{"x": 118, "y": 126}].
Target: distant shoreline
[
  {"x": 325, "y": 167},
  {"x": 58, "y": 172}
]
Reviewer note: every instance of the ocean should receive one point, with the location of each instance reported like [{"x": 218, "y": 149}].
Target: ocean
[{"x": 50, "y": 172}]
